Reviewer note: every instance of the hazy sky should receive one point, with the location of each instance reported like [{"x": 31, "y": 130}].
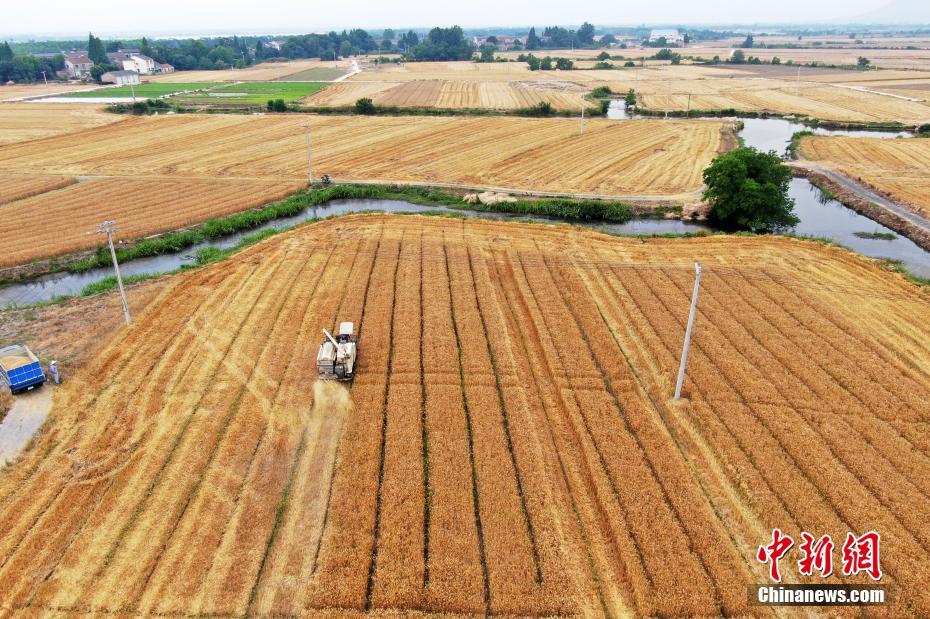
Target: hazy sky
[{"x": 291, "y": 16}]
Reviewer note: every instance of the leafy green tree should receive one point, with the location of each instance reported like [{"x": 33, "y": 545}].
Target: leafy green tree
[
  {"x": 277, "y": 105},
  {"x": 738, "y": 57},
  {"x": 145, "y": 48},
  {"x": 863, "y": 63},
  {"x": 585, "y": 34},
  {"x": 95, "y": 50},
  {"x": 387, "y": 39},
  {"x": 546, "y": 64},
  {"x": 533, "y": 62},
  {"x": 629, "y": 63},
  {"x": 564, "y": 64},
  {"x": 630, "y": 98},
  {"x": 603, "y": 56},
  {"x": 443, "y": 44},
  {"x": 97, "y": 71},
  {"x": 533, "y": 41},
  {"x": 487, "y": 53},
  {"x": 365, "y": 106},
  {"x": 607, "y": 40},
  {"x": 6, "y": 52},
  {"x": 748, "y": 190},
  {"x": 776, "y": 60},
  {"x": 491, "y": 40},
  {"x": 686, "y": 38},
  {"x": 409, "y": 40},
  {"x": 749, "y": 42}
]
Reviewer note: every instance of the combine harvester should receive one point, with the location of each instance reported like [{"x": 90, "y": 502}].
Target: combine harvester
[
  {"x": 336, "y": 359},
  {"x": 20, "y": 369}
]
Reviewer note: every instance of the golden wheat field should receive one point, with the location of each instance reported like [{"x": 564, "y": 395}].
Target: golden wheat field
[
  {"x": 897, "y": 167},
  {"x": 19, "y": 187},
  {"x": 509, "y": 445},
  {"x": 50, "y": 224},
  {"x": 883, "y": 58},
  {"x": 455, "y": 94},
  {"x": 266, "y": 71},
  {"x": 648, "y": 157},
  {"x": 20, "y": 122},
  {"x": 12, "y": 92},
  {"x": 839, "y": 95}
]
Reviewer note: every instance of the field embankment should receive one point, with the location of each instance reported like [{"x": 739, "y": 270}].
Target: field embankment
[
  {"x": 511, "y": 446},
  {"x": 897, "y": 168}
]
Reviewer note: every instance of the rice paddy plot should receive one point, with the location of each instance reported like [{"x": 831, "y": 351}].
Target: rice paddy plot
[{"x": 251, "y": 92}]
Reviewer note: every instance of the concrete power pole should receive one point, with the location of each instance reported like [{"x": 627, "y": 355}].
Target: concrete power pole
[
  {"x": 687, "y": 345},
  {"x": 108, "y": 229}
]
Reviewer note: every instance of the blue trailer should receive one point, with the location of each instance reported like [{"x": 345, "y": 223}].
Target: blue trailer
[{"x": 20, "y": 369}]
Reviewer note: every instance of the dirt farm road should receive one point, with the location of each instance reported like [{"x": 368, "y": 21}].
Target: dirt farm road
[
  {"x": 866, "y": 193},
  {"x": 29, "y": 412}
]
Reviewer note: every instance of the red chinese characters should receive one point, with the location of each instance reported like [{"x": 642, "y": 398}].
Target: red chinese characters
[
  {"x": 860, "y": 554},
  {"x": 774, "y": 552},
  {"x": 817, "y": 555}
]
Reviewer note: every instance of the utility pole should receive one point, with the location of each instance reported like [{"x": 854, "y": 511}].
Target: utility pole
[
  {"x": 687, "y": 345},
  {"x": 132, "y": 89},
  {"x": 689, "y": 105},
  {"x": 108, "y": 229},
  {"x": 44, "y": 78},
  {"x": 309, "y": 157},
  {"x": 582, "y": 120}
]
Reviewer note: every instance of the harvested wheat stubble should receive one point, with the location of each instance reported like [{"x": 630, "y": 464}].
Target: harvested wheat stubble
[
  {"x": 657, "y": 158},
  {"x": 20, "y": 122},
  {"x": 895, "y": 167},
  {"x": 509, "y": 444},
  {"x": 56, "y": 223},
  {"x": 18, "y": 187}
]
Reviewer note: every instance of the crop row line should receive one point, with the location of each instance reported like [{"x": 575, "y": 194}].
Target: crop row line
[{"x": 471, "y": 441}]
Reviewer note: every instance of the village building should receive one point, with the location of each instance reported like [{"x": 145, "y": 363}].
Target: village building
[
  {"x": 129, "y": 60},
  {"x": 78, "y": 67},
  {"x": 671, "y": 36},
  {"x": 120, "y": 78}
]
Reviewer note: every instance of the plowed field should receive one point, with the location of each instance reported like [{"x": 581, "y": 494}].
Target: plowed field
[
  {"x": 640, "y": 157},
  {"x": 895, "y": 167},
  {"x": 509, "y": 444},
  {"x": 56, "y": 223}
]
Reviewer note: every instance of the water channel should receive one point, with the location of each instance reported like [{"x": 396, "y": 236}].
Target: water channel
[{"x": 819, "y": 216}]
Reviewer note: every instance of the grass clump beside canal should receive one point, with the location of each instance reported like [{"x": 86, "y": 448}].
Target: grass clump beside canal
[{"x": 172, "y": 242}]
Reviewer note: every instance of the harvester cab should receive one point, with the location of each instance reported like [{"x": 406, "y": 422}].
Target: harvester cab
[{"x": 336, "y": 359}]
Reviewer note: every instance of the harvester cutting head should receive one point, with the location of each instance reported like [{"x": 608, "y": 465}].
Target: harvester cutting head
[{"x": 336, "y": 359}]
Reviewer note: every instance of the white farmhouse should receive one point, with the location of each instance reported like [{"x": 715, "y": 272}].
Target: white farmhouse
[
  {"x": 671, "y": 35},
  {"x": 120, "y": 78},
  {"x": 132, "y": 61}
]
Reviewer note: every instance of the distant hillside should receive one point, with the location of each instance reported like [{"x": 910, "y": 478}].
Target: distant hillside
[{"x": 898, "y": 12}]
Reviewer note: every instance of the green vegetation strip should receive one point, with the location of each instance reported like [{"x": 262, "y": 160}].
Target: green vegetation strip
[
  {"x": 173, "y": 242},
  {"x": 152, "y": 89},
  {"x": 253, "y": 92},
  {"x": 878, "y": 236}
]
